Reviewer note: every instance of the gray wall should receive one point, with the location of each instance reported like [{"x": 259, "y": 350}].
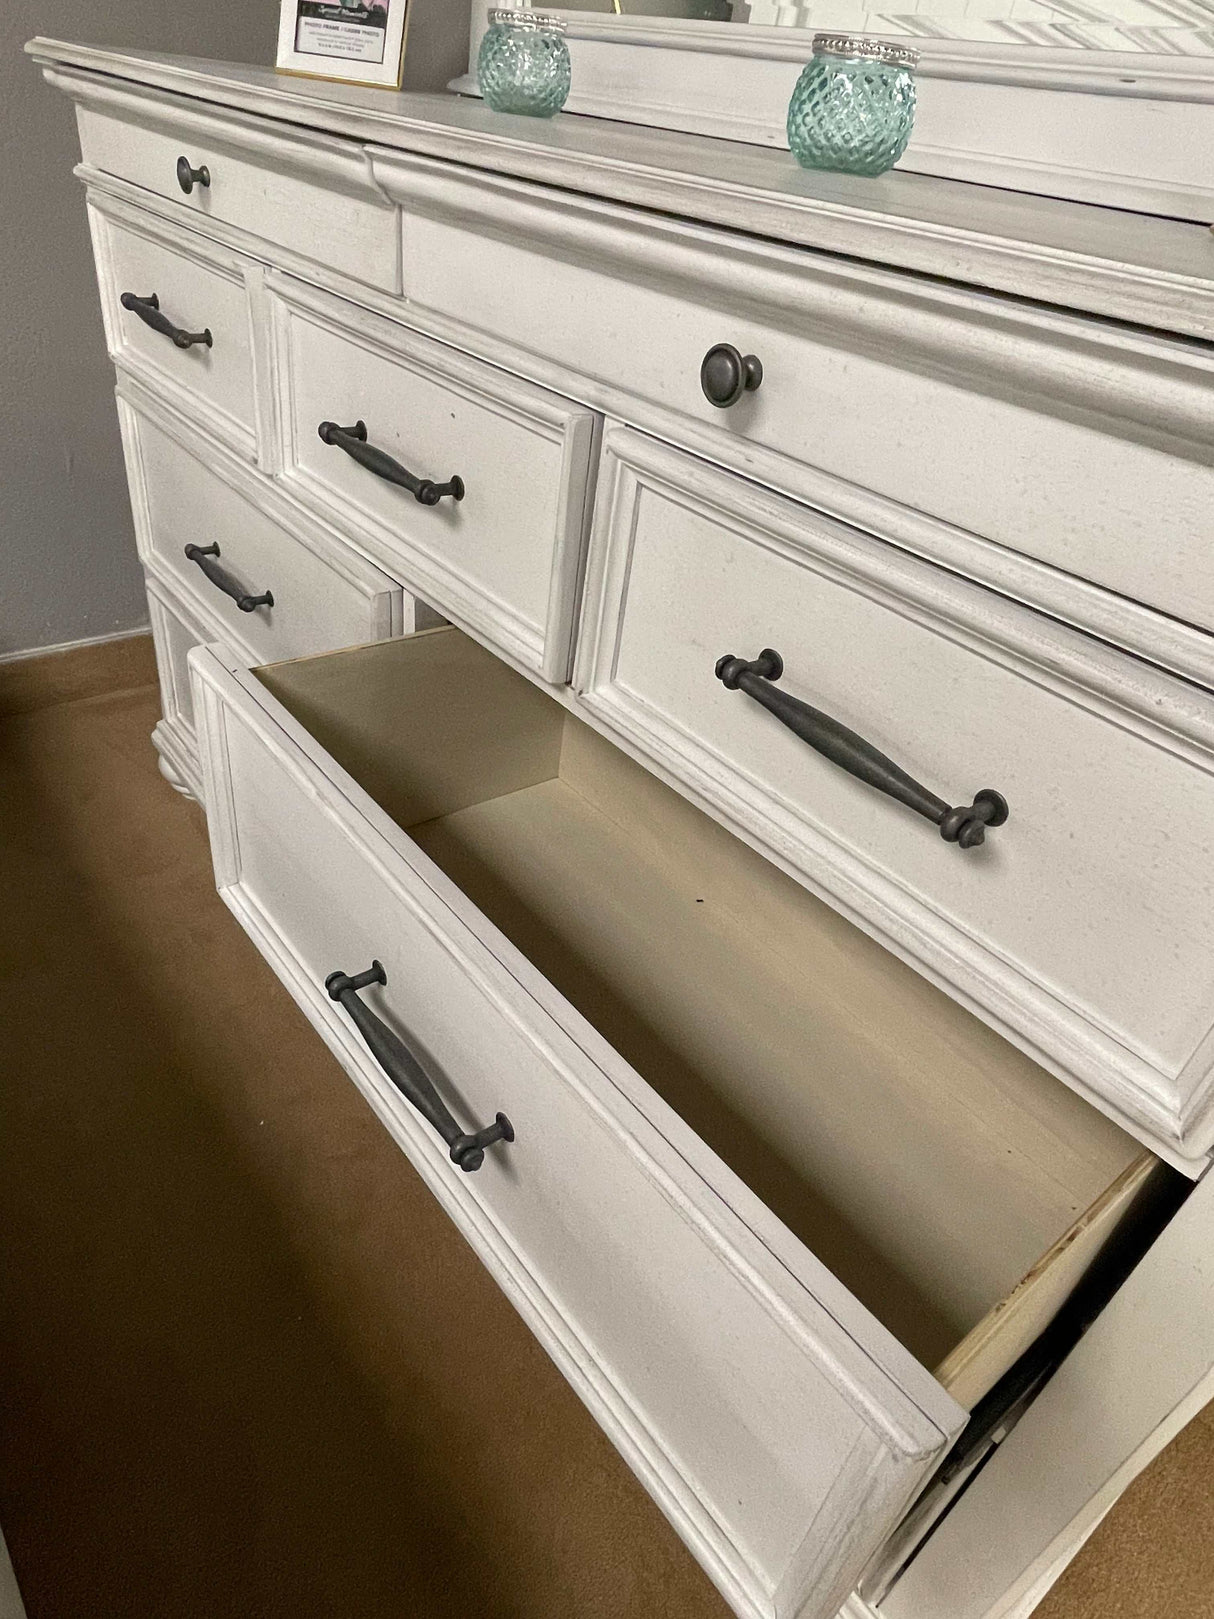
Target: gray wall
[{"x": 67, "y": 552}]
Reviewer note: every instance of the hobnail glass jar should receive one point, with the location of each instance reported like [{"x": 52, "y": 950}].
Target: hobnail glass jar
[
  {"x": 523, "y": 64},
  {"x": 854, "y": 105}
]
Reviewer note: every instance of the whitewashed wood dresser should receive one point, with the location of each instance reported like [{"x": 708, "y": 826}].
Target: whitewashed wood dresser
[{"x": 780, "y": 525}]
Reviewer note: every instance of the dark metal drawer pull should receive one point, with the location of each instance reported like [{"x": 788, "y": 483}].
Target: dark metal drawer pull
[
  {"x": 353, "y": 440},
  {"x": 148, "y": 310},
  {"x": 407, "y": 1073},
  {"x": 188, "y": 178},
  {"x": 220, "y": 577},
  {"x": 726, "y": 375},
  {"x": 965, "y": 825}
]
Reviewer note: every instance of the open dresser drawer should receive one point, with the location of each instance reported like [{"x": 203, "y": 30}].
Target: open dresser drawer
[{"x": 759, "y": 1178}]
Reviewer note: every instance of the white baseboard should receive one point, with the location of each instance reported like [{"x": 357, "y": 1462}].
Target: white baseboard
[{"x": 71, "y": 646}]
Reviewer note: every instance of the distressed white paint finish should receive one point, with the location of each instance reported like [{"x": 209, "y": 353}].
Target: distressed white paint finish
[
  {"x": 185, "y": 489},
  {"x": 1144, "y": 1370},
  {"x": 1106, "y": 260},
  {"x": 778, "y": 1426},
  {"x": 1093, "y": 444},
  {"x": 430, "y": 187},
  {"x": 504, "y": 560},
  {"x": 187, "y": 493},
  {"x": 303, "y": 189},
  {"x": 301, "y": 193},
  {"x": 200, "y": 287},
  {"x": 1083, "y": 928}
]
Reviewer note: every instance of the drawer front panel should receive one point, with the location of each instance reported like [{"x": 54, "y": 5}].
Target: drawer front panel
[
  {"x": 1061, "y": 439},
  {"x": 199, "y": 288},
  {"x": 323, "y": 595},
  {"x": 776, "y": 1438},
  {"x": 504, "y": 560},
  {"x": 1083, "y": 928},
  {"x": 308, "y": 193}
]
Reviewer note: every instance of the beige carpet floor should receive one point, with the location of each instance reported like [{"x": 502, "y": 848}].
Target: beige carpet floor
[{"x": 247, "y": 1369}]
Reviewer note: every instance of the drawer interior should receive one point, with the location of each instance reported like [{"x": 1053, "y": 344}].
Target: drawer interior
[{"x": 953, "y": 1186}]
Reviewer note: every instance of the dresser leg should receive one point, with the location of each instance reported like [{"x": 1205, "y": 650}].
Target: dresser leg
[{"x": 167, "y": 750}]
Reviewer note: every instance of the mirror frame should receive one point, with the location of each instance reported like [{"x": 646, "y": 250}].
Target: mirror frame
[{"x": 1123, "y": 129}]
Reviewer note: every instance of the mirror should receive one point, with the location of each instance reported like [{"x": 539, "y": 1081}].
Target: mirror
[
  {"x": 1109, "y": 102},
  {"x": 1156, "y": 27}
]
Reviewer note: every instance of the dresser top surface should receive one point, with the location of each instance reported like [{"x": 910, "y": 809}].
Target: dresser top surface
[{"x": 1102, "y": 260}]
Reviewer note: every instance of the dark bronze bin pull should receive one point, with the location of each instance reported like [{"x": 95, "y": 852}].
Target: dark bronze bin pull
[
  {"x": 148, "y": 310},
  {"x": 353, "y": 440},
  {"x": 965, "y": 825},
  {"x": 223, "y": 580},
  {"x": 408, "y": 1075}
]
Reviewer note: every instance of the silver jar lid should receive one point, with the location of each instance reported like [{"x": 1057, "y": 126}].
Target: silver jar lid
[
  {"x": 540, "y": 22},
  {"x": 872, "y": 50}
]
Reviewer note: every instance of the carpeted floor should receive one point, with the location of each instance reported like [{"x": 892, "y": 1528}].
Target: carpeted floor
[{"x": 247, "y": 1369}]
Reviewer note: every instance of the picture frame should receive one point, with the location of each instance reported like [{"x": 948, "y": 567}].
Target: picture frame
[{"x": 350, "y": 41}]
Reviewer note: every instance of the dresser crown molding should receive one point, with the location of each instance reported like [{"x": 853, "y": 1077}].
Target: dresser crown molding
[{"x": 1101, "y": 260}]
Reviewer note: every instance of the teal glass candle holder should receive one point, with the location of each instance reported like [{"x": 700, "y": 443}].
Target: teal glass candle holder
[
  {"x": 523, "y": 66},
  {"x": 854, "y": 105}
]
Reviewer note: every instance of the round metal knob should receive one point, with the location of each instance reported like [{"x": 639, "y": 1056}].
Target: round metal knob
[
  {"x": 726, "y": 375},
  {"x": 188, "y": 178}
]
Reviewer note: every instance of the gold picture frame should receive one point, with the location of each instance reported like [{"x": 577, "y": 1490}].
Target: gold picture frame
[{"x": 350, "y": 41}]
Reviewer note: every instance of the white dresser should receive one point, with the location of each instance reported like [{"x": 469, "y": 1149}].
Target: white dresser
[{"x": 757, "y": 859}]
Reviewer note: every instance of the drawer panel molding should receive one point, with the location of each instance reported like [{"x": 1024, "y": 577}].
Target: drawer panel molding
[
  {"x": 504, "y": 559},
  {"x": 688, "y": 564},
  {"x": 827, "y": 1419},
  {"x": 198, "y": 283}
]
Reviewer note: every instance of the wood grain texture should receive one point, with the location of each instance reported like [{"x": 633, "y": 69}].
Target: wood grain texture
[
  {"x": 1013, "y": 1326},
  {"x": 1143, "y": 1371}
]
